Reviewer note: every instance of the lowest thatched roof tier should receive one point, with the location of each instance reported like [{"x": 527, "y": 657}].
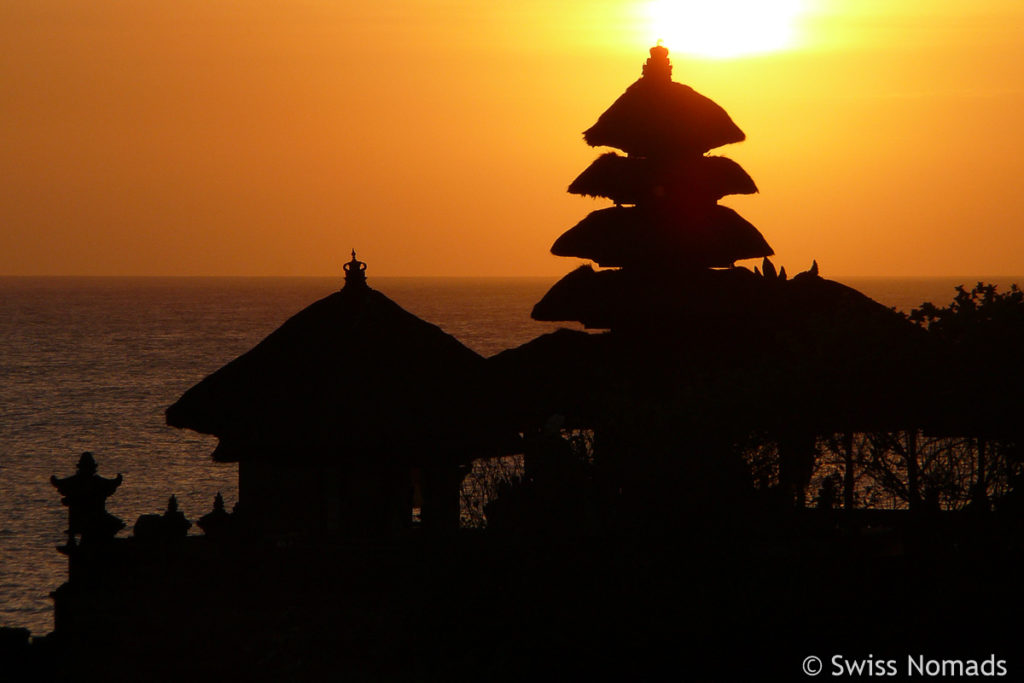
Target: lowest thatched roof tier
[
  {"x": 802, "y": 353},
  {"x": 676, "y": 236},
  {"x": 352, "y": 376},
  {"x": 657, "y": 117},
  {"x": 632, "y": 180},
  {"x": 727, "y": 298}
]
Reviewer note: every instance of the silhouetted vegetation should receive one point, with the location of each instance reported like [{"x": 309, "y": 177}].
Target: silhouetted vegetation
[{"x": 965, "y": 451}]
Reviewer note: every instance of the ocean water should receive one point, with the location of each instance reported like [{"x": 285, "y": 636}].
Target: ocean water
[{"x": 91, "y": 364}]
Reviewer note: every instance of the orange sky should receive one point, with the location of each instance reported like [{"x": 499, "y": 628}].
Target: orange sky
[{"x": 268, "y": 137}]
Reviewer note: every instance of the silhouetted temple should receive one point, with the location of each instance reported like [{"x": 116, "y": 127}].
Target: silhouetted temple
[
  {"x": 347, "y": 417},
  {"x": 700, "y": 352},
  {"x": 669, "y": 250},
  {"x": 345, "y": 422},
  {"x": 659, "y": 526}
]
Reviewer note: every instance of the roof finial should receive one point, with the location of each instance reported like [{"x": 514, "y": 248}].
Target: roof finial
[
  {"x": 658, "y": 67},
  {"x": 355, "y": 272}
]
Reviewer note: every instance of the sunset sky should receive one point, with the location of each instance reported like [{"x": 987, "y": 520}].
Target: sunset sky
[{"x": 269, "y": 137}]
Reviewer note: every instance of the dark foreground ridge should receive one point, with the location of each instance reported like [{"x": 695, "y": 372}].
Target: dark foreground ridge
[{"x": 481, "y": 606}]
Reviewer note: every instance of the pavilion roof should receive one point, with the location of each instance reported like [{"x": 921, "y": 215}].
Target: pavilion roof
[{"x": 352, "y": 375}]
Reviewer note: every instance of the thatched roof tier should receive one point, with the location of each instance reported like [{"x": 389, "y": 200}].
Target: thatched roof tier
[
  {"x": 671, "y": 236},
  {"x": 351, "y": 376},
  {"x": 632, "y": 180},
  {"x": 586, "y": 296},
  {"x": 567, "y": 372},
  {"x": 731, "y": 296},
  {"x": 608, "y": 299},
  {"x": 658, "y": 117},
  {"x": 819, "y": 355}
]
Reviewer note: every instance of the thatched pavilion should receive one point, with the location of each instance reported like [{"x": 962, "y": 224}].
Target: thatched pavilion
[{"x": 348, "y": 414}]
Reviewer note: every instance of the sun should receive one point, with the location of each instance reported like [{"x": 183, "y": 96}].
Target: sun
[{"x": 725, "y": 28}]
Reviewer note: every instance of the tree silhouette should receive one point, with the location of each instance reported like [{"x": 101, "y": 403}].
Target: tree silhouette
[{"x": 978, "y": 372}]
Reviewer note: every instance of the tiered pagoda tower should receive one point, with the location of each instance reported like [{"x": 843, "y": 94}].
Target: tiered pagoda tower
[
  {"x": 666, "y": 222},
  {"x": 701, "y": 354}
]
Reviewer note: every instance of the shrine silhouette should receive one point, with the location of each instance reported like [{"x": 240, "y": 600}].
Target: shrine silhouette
[{"x": 85, "y": 494}]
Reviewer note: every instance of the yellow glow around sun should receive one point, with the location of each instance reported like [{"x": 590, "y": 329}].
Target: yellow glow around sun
[{"x": 725, "y": 28}]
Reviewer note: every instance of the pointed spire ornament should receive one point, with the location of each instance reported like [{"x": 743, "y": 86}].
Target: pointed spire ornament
[
  {"x": 658, "y": 67},
  {"x": 355, "y": 272}
]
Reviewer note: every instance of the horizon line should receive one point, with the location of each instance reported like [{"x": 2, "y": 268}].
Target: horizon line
[{"x": 447, "y": 276}]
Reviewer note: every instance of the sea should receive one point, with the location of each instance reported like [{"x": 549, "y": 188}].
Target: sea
[{"x": 90, "y": 364}]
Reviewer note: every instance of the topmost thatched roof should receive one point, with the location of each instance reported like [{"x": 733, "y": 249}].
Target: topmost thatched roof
[
  {"x": 351, "y": 376},
  {"x": 658, "y": 117}
]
